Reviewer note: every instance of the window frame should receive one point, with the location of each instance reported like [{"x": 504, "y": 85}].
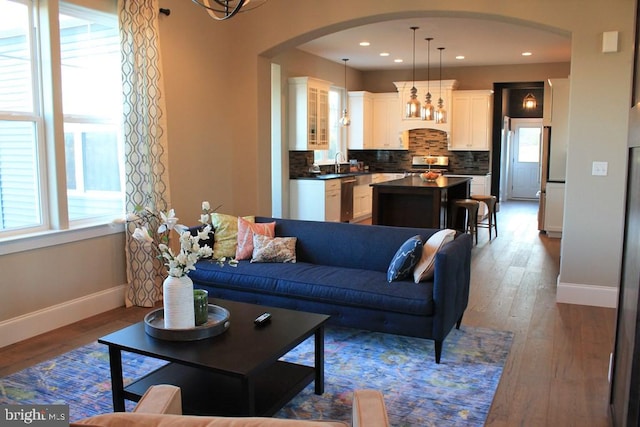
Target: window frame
[{"x": 55, "y": 227}]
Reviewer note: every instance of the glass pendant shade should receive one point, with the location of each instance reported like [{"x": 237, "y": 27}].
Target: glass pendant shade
[
  {"x": 441, "y": 113},
  {"x": 413, "y": 105},
  {"x": 344, "y": 119},
  {"x": 428, "y": 111},
  {"x": 529, "y": 102}
]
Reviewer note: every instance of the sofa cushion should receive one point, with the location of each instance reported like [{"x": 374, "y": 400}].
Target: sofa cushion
[
  {"x": 121, "y": 419},
  {"x": 273, "y": 249},
  {"x": 225, "y": 234},
  {"x": 246, "y": 230},
  {"x": 425, "y": 266},
  {"x": 335, "y": 285},
  {"x": 345, "y": 245},
  {"x": 405, "y": 258}
]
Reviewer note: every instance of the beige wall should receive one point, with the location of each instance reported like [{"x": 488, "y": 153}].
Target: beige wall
[{"x": 217, "y": 77}]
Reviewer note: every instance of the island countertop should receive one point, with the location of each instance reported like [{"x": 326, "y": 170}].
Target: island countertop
[{"x": 417, "y": 182}]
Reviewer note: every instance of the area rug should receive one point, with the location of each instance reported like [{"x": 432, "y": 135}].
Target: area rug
[{"x": 417, "y": 391}]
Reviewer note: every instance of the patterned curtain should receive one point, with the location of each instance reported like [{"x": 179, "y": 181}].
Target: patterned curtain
[{"x": 145, "y": 140}]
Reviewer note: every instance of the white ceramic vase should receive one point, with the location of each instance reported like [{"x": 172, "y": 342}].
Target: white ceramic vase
[{"x": 177, "y": 295}]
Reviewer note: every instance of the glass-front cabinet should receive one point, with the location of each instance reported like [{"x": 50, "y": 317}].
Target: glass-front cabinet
[{"x": 308, "y": 113}]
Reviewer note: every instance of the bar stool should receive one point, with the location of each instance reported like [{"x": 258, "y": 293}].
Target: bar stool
[
  {"x": 471, "y": 211},
  {"x": 492, "y": 218}
]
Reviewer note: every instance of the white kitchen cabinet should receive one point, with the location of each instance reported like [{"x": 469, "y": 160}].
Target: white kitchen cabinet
[
  {"x": 360, "y": 132},
  {"x": 314, "y": 199},
  {"x": 362, "y": 201},
  {"x": 480, "y": 184},
  {"x": 554, "y": 209},
  {"x": 308, "y": 113},
  {"x": 471, "y": 120},
  {"x": 386, "y": 120}
]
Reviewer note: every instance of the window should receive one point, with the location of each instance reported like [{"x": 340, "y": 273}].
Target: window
[
  {"x": 529, "y": 144},
  {"x": 336, "y": 131},
  {"x": 89, "y": 66}
]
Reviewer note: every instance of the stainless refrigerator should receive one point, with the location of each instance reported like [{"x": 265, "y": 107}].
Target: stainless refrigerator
[{"x": 553, "y": 159}]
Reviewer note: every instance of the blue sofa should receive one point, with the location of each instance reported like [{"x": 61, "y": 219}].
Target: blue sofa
[{"x": 341, "y": 270}]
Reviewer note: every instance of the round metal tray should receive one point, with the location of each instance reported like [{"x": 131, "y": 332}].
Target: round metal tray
[{"x": 217, "y": 323}]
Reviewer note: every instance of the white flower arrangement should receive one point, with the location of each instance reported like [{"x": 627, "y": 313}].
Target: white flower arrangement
[{"x": 181, "y": 262}]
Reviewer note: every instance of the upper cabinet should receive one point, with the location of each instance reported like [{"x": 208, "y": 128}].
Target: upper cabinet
[
  {"x": 434, "y": 86},
  {"x": 308, "y": 113},
  {"x": 471, "y": 120},
  {"x": 360, "y": 132},
  {"x": 387, "y": 134}
]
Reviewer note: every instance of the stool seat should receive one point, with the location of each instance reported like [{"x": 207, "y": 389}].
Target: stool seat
[
  {"x": 492, "y": 218},
  {"x": 471, "y": 207}
]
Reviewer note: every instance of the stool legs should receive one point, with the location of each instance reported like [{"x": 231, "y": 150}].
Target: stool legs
[
  {"x": 492, "y": 218},
  {"x": 471, "y": 213}
]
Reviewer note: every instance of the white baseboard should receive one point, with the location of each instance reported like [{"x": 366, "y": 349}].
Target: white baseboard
[
  {"x": 50, "y": 318},
  {"x": 599, "y": 296}
]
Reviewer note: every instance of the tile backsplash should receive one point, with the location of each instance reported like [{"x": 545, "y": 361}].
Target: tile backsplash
[{"x": 421, "y": 142}]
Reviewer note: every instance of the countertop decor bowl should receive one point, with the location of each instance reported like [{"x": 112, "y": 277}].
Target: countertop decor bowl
[{"x": 429, "y": 176}]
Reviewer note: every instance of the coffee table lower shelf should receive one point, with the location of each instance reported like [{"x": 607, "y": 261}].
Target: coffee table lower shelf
[{"x": 209, "y": 393}]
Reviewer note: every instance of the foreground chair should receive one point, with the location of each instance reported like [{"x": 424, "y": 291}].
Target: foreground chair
[{"x": 161, "y": 406}]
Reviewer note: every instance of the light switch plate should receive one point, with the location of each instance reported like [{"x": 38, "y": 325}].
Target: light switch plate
[{"x": 599, "y": 168}]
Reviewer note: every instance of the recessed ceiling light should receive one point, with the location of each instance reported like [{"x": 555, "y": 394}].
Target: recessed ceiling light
[
  {"x": 460, "y": 57},
  {"x": 384, "y": 53},
  {"x": 365, "y": 44},
  {"x": 398, "y": 60},
  {"x": 526, "y": 54}
]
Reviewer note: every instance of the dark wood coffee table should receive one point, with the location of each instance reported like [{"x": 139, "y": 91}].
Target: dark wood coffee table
[{"x": 236, "y": 373}]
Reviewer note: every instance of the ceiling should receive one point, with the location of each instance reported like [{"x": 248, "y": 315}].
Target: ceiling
[{"x": 482, "y": 42}]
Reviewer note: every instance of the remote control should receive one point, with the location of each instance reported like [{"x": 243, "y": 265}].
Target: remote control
[{"x": 262, "y": 319}]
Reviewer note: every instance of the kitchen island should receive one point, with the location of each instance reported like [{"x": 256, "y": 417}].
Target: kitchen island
[{"x": 412, "y": 202}]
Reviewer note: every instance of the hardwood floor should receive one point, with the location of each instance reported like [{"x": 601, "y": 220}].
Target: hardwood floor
[{"x": 556, "y": 372}]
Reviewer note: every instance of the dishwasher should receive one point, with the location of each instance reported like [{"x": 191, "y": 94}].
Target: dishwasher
[{"x": 346, "y": 198}]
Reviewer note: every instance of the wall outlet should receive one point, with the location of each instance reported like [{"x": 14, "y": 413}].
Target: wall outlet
[{"x": 599, "y": 168}]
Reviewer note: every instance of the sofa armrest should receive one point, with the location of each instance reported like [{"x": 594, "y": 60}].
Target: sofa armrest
[
  {"x": 369, "y": 409},
  {"x": 160, "y": 399}
]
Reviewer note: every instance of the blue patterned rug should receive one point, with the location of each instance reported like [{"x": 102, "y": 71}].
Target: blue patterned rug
[{"x": 417, "y": 391}]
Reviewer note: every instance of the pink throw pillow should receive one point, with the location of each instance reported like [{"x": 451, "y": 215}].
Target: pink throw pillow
[{"x": 246, "y": 230}]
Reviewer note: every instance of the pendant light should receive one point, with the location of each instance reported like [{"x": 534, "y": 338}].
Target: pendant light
[
  {"x": 345, "y": 120},
  {"x": 413, "y": 105},
  {"x": 529, "y": 102},
  {"x": 428, "y": 110},
  {"x": 441, "y": 113}
]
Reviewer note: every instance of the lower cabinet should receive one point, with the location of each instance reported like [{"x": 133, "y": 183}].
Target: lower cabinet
[
  {"x": 362, "y": 202},
  {"x": 314, "y": 199},
  {"x": 554, "y": 209}
]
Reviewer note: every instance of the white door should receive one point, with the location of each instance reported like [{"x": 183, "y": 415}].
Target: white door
[{"x": 525, "y": 158}]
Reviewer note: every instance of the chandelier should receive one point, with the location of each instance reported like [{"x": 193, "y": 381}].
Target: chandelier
[{"x": 225, "y": 9}]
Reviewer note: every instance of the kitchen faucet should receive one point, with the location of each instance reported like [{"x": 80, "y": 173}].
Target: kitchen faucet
[{"x": 337, "y": 165}]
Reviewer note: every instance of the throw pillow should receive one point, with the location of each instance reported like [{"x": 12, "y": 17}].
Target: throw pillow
[
  {"x": 225, "y": 234},
  {"x": 246, "y": 230},
  {"x": 424, "y": 268},
  {"x": 405, "y": 258},
  {"x": 274, "y": 249}
]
